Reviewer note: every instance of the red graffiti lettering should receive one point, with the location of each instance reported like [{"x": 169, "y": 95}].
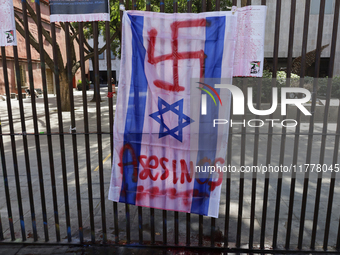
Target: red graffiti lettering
[
  {"x": 185, "y": 172},
  {"x": 174, "y": 171},
  {"x": 146, "y": 167},
  {"x": 166, "y": 173},
  {"x": 175, "y": 55},
  {"x": 152, "y": 162},
  {"x": 170, "y": 193},
  {"x": 127, "y": 147}
]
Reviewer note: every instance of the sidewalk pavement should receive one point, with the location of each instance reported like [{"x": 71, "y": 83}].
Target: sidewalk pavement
[
  {"x": 74, "y": 250},
  {"x": 194, "y": 226}
]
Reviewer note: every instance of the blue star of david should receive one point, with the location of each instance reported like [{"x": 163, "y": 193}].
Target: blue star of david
[{"x": 176, "y": 108}]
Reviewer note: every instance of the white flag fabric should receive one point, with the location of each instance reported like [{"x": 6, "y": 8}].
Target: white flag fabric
[
  {"x": 164, "y": 138},
  {"x": 7, "y": 24}
]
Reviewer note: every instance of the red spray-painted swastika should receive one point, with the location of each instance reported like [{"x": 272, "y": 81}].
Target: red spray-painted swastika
[{"x": 175, "y": 56}]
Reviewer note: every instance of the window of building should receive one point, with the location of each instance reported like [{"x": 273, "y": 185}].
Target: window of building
[
  {"x": 315, "y": 7},
  {"x": 101, "y": 56},
  {"x": 113, "y": 57},
  {"x": 22, "y": 72}
]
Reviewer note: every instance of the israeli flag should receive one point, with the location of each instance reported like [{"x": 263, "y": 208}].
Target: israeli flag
[{"x": 167, "y": 152}]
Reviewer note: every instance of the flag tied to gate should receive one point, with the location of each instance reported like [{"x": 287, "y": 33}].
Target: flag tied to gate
[
  {"x": 7, "y": 24},
  {"x": 167, "y": 153}
]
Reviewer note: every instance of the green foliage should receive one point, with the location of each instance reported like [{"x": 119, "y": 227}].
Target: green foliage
[
  {"x": 281, "y": 81},
  {"x": 80, "y": 85},
  {"x": 322, "y": 84}
]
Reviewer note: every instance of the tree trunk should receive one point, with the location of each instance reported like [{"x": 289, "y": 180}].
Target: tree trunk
[
  {"x": 96, "y": 89},
  {"x": 64, "y": 92},
  {"x": 96, "y": 85}
]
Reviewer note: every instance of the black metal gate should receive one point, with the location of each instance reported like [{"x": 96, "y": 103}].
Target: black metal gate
[{"x": 53, "y": 192}]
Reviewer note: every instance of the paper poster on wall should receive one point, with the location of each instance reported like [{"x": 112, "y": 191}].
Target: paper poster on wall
[
  {"x": 7, "y": 24},
  {"x": 167, "y": 152},
  {"x": 79, "y": 10}
]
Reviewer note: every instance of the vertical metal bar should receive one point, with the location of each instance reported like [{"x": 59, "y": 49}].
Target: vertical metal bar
[
  {"x": 127, "y": 208},
  {"x": 248, "y": 2},
  {"x": 297, "y": 128},
  {"x": 164, "y": 227},
  {"x": 99, "y": 130},
  {"x": 188, "y": 229},
  {"x": 121, "y": 2},
  {"x": 324, "y": 129},
  {"x": 234, "y": 2},
  {"x": 152, "y": 225},
  {"x": 1, "y": 230},
  {"x": 148, "y": 5},
  {"x": 24, "y": 138},
  {"x": 73, "y": 129},
  {"x": 176, "y": 227},
  {"x": 284, "y": 129},
  {"x": 109, "y": 77},
  {"x": 47, "y": 119},
  {"x": 310, "y": 138},
  {"x": 336, "y": 144},
  {"x": 164, "y": 216},
  {"x": 255, "y": 163},
  {"x": 127, "y": 216},
  {"x": 161, "y": 6},
  {"x": 189, "y": 10},
  {"x": 270, "y": 128},
  {"x": 175, "y": 10},
  {"x": 213, "y": 220},
  {"x": 86, "y": 130},
  {"x": 56, "y": 57},
  {"x": 7, "y": 192},
  {"x": 253, "y": 200},
  {"x": 212, "y": 238},
  {"x": 115, "y": 213},
  {"x": 200, "y": 230},
  {"x": 13, "y": 143},
  {"x": 228, "y": 184},
  {"x": 335, "y": 160},
  {"x": 140, "y": 224},
  {"x": 134, "y": 6},
  {"x": 189, "y": 6},
  {"x": 204, "y": 5},
  {"x": 242, "y": 163},
  {"x": 175, "y": 6},
  {"x": 109, "y": 83},
  {"x": 218, "y": 6},
  {"x": 25, "y": 143},
  {"x": 35, "y": 120}
]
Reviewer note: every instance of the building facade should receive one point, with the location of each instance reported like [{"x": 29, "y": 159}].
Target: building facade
[
  {"x": 115, "y": 64},
  {"x": 60, "y": 35},
  {"x": 298, "y": 33}
]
